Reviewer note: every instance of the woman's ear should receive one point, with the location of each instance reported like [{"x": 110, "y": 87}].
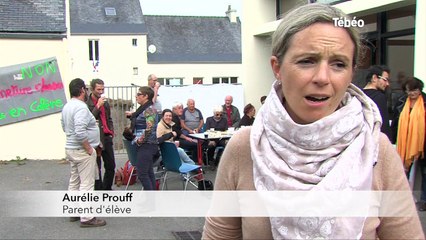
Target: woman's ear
[{"x": 275, "y": 65}]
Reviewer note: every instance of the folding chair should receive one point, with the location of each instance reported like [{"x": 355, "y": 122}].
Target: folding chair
[
  {"x": 133, "y": 157},
  {"x": 216, "y": 152},
  {"x": 172, "y": 163}
]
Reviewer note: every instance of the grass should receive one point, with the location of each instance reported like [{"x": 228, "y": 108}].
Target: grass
[{"x": 18, "y": 160}]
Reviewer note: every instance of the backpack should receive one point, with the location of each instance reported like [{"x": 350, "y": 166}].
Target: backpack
[
  {"x": 119, "y": 177},
  {"x": 127, "y": 170}
]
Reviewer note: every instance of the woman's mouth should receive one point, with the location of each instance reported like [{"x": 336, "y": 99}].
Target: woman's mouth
[{"x": 317, "y": 98}]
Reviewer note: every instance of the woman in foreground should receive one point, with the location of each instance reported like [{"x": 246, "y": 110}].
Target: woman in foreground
[
  {"x": 144, "y": 127},
  {"x": 316, "y": 131}
]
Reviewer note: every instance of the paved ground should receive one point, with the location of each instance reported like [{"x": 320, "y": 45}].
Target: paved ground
[{"x": 53, "y": 175}]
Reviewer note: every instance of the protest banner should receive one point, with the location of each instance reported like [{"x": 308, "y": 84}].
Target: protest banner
[{"x": 30, "y": 90}]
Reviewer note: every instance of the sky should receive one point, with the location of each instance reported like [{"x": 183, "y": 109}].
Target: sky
[{"x": 190, "y": 7}]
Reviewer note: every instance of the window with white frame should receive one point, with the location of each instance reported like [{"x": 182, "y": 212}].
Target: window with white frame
[
  {"x": 93, "y": 50},
  {"x": 134, "y": 42},
  {"x": 229, "y": 80},
  {"x": 170, "y": 81}
]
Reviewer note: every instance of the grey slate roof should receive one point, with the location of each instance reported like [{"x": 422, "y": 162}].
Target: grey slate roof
[
  {"x": 36, "y": 17},
  {"x": 88, "y": 17},
  {"x": 187, "y": 39}
]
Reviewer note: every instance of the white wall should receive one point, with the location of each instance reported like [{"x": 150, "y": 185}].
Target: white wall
[
  {"x": 420, "y": 40},
  {"x": 257, "y": 73},
  {"x": 117, "y": 57},
  {"x": 258, "y": 28},
  {"x": 189, "y": 71},
  {"x": 40, "y": 138}
]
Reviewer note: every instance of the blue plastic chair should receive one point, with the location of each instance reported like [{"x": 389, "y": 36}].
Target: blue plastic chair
[
  {"x": 132, "y": 153},
  {"x": 172, "y": 163}
]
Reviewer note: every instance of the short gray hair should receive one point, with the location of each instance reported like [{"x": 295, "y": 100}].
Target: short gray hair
[
  {"x": 150, "y": 76},
  {"x": 304, "y": 16},
  {"x": 176, "y": 105},
  {"x": 217, "y": 109}
]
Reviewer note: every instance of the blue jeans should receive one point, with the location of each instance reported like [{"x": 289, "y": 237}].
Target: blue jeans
[
  {"x": 144, "y": 165},
  {"x": 184, "y": 157}
]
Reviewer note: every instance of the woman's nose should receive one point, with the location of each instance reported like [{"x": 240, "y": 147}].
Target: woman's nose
[{"x": 322, "y": 75}]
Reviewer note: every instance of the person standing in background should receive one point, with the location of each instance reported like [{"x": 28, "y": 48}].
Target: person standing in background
[
  {"x": 232, "y": 114},
  {"x": 144, "y": 129},
  {"x": 82, "y": 137},
  {"x": 409, "y": 132},
  {"x": 378, "y": 78},
  {"x": 155, "y": 86},
  {"x": 101, "y": 109}
]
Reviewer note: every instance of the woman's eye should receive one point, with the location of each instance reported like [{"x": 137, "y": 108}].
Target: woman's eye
[
  {"x": 339, "y": 64},
  {"x": 305, "y": 61}
]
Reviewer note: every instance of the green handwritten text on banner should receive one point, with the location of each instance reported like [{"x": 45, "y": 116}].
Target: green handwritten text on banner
[{"x": 30, "y": 90}]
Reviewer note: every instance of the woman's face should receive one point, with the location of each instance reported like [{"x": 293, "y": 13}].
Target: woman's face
[
  {"x": 414, "y": 94},
  {"x": 167, "y": 117},
  {"x": 315, "y": 71},
  {"x": 252, "y": 112},
  {"x": 141, "y": 99}
]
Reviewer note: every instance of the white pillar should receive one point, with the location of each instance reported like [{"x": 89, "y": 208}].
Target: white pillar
[{"x": 420, "y": 41}]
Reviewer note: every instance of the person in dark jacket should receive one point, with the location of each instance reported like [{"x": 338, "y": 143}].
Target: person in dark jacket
[
  {"x": 408, "y": 127},
  {"x": 230, "y": 112},
  {"x": 248, "y": 118},
  {"x": 101, "y": 110},
  {"x": 377, "y": 81},
  {"x": 219, "y": 123},
  {"x": 143, "y": 128},
  {"x": 185, "y": 142}
]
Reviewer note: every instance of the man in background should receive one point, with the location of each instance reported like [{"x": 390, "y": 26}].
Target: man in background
[
  {"x": 231, "y": 113},
  {"x": 192, "y": 120},
  {"x": 101, "y": 110},
  {"x": 378, "y": 78},
  {"x": 82, "y": 137},
  {"x": 155, "y": 85}
]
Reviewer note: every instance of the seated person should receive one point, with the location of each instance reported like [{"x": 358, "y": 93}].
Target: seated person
[
  {"x": 232, "y": 114},
  {"x": 185, "y": 142},
  {"x": 192, "y": 119},
  {"x": 219, "y": 123},
  {"x": 248, "y": 118},
  {"x": 166, "y": 134}
]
